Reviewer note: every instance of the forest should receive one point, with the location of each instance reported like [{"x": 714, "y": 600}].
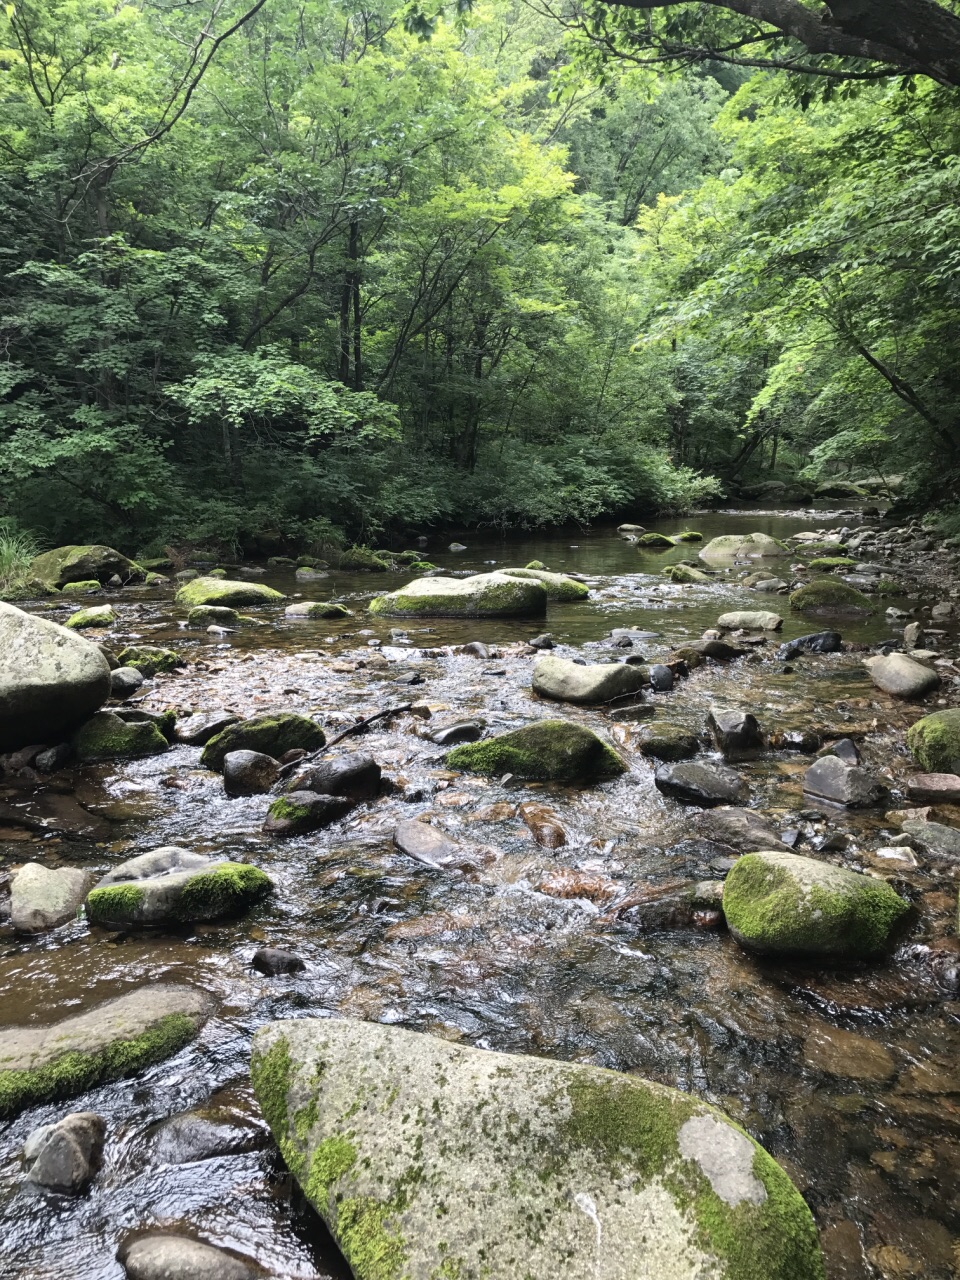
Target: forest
[{"x": 310, "y": 271}]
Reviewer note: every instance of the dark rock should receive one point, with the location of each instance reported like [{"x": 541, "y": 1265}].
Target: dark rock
[
  {"x": 475, "y": 649},
  {"x": 744, "y": 830},
  {"x": 124, "y": 682},
  {"x": 661, "y": 678},
  {"x": 844, "y": 749},
  {"x": 545, "y": 641},
  {"x": 816, "y": 642},
  {"x": 701, "y": 784},
  {"x": 464, "y": 731},
  {"x": 249, "y": 773},
  {"x": 197, "y": 730},
  {"x": 272, "y": 961},
  {"x": 355, "y": 775},
  {"x": 669, "y": 742},
  {"x": 203, "y": 1134},
  {"x": 164, "y": 721},
  {"x": 53, "y": 758},
  {"x": 717, "y": 650},
  {"x": 65, "y": 1156},
  {"x": 299, "y": 812},
  {"x": 806, "y": 741},
  {"x": 272, "y": 733},
  {"x": 833, "y": 779},
  {"x": 736, "y": 733}
]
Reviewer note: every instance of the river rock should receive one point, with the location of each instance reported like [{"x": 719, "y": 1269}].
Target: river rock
[
  {"x": 222, "y": 591},
  {"x": 816, "y": 642},
  {"x": 686, "y": 574},
  {"x": 781, "y": 904},
  {"x": 743, "y": 830},
  {"x": 424, "y": 843},
  {"x": 299, "y": 812},
  {"x": 557, "y": 586},
  {"x": 64, "y": 1156},
  {"x": 124, "y": 683},
  {"x": 65, "y": 565},
  {"x": 106, "y": 737},
  {"x": 750, "y": 620},
  {"x": 454, "y": 1152},
  {"x": 736, "y": 733},
  {"x": 565, "y": 681},
  {"x": 51, "y": 679},
  {"x": 171, "y": 1257},
  {"x": 198, "y": 729},
  {"x": 934, "y": 838},
  {"x": 356, "y": 776},
  {"x": 901, "y": 676},
  {"x": 271, "y": 961},
  {"x": 170, "y": 886},
  {"x": 112, "y": 1040},
  {"x": 549, "y": 750},
  {"x": 316, "y": 609},
  {"x": 934, "y": 788},
  {"x": 41, "y": 898},
  {"x": 738, "y": 546},
  {"x": 149, "y": 659},
  {"x": 452, "y": 735},
  {"x": 249, "y": 773},
  {"x": 484, "y": 595},
  {"x": 845, "y": 749},
  {"x": 101, "y": 615},
  {"x": 203, "y": 1134},
  {"x": 661, "y": 678},
  {"x": 835, "y": 780},
  {"x": 935, "y": 741},
  {"x": 830, "y": 595},
  {"x": 700, "y": 784},
  {"x": 668, "y": 742},
  {"x": 206, "y": 615},
  {"x": 273, "y": 734}
]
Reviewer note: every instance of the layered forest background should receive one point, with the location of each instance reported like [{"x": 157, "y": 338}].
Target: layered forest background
[{"x": 293, "y": 270}]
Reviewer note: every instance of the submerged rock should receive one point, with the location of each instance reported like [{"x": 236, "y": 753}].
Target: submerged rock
[
  {"x": 271, "y": 961},
  {"x": 204, "y": 1134},
  {"x": 550, "y": 750},
  {"x": 744, "y": 830},
  {"x": 273, "y": 734},
  {"x": 170, "y": 1257},
  {"x": 64, "y": 1156},
  {"x": 427, "y": 1158},
  {"x": 842, "y": 783},
  {"x": 222, "y": 591},
  {"x": 106, "y": 737},
  {"x": 701, "y": 784},
  {"x": 113, "y": 1040},
  {"x": 41, "y": 898},
  {"x": 51, "y": 680},
  {"x": 781, "y": 904},
  {"x": 424, "y": 843},
  {"x": 484, "y": 595},
  {"x": 565, "y": 681},
  {"x": 935, "y": 741},
  {"x": 901, "y": 676},
  {"x": 173, "y": 886}
]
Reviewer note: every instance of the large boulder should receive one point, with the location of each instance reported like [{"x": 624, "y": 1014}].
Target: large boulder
[
  {"x": 51, "y": 680},
  {"x": 935, "y": 741},
  {"x": 829, "y": 595},
  {"x": 427, "y": 1158},
  {"x": 106, "y": 736},
  {"x": 98, "y": 564},
  {"x": 781, "y": 904},
  {"x": 41, "y": 898},
  {"x": 841, "y": 782},
  {"x": 557, "y": 586},
  {"x": 171, "y": 885},
  {"x": 272, "y": 734},
  {"x": 901, "y": 676},
  {"x": 548, "y": 751},
  {"x": 485, "y": 595},
  {"x": 701, "y": 784},
  {"x": 565, "y": 681},
  {"x": 115, "y": 1039},
  {"x": 742, "y": 546},
  {"x": 223, "y": 591}
]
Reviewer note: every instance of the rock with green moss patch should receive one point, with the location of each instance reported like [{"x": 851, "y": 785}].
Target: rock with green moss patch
[
  {"x": 484, "y": 595},
  {"x": 223, "y": 591},
  {"x": 826, "y": 564},
  {"x": 363, "y": 560},
  {"x": 155, "y": 580},
  {"x": 421, "y": 566},
  {"x": 65, "y": 566},
  {"x": 740, "y": 546},
  {"x": 106, "y": 737},
  {"x": 654, "y": 542},
  {"x": 150, "y": 659},
  {"x": 272, "y": 734},
  {"x": 781, "y": 904},
  {"x": 557, "y": 586},
  {"x": 669, "y": 743},
  {"x": 686, "y": 574},
  {"x": 101, "y": 615},
  {"x": 213, "y": 615},
  {"x": 316, "y": 609},
  {"x": 536, "y": 564},
  {"x": 550, "y": 750},
  {"x": 173, "y": 886},
  {"x": 432, "y": 1159},
  {"x": 115, "y": 1039},
  {"x": 300, "y": 812},
  {"x": 688, "y": 535},
  {"x": 830, "y": 595},
  {"x": 81, "y": 588},
  {"x": 935, "y": 741},
  {"x": 566, "y": 681}
]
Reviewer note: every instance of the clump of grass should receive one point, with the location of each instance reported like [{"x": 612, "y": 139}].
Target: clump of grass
[{"x": 18, "y": 549}]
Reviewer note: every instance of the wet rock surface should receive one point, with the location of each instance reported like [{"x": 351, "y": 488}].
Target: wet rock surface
[{"x": 64, "y": 1157}]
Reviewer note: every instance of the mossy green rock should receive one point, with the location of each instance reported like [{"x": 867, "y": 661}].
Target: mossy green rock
[
  {"x": 81, "y": 588},
  {"x": 826, "y": 564},
  {"x": 485, "y": 595},
  {"x": 739, "y": 546},
  {"x": 684, "y": 573},
  {"x": 115, "y": 1039},
  {"x": 316, "y": 609},
  {"x": 438, "y": 1161},
  {"x": 363, "y": 560},
  {"x": 149, "y": 659},
  {"x": 83, "y": 564},
  {"x": 101, "y": 615},
  {"x": 213, "y": 615},
  {"x": 830, "y": 595},
  {"x": 654, "y": 542},
  {"x": 273, "y": 734},
  {"x": 669, "y": 742},
  {"x": 550, "y": 750},
  {"x": 688, "y": 535},
  {"x": 781, "y": 904},
  {"x": 106, "y": 737},
  {"x": 223, "y": 591},
  {"x": 557, "y": 586},
  {"x": 172, "y": 885},
  {"x": 935, "y": 741}
]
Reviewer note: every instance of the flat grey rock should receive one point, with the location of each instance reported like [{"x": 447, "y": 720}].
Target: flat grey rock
[
  {"x": 841, "y": 783},
  {"x": 41, "y": 898},
  {"x": 564, "y": 681},
  {"x": 170, "y": 1257},
  {"x": 63, "y": 1157}
]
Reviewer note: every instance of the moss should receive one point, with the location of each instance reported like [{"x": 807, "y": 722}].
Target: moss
[
  {"x": 100, "y": 616},
  {"x": 669, "y": 742},
  {"x": 74, "y": 1073},
  {"x": 830, "y": 594},
  {"x": 331, "y": 1160},
  {"x": 688, "y": 535},
  {"x": 221, "y": 591},
  {"x": 887, "y": 587},
  {"x": 827, "y": 563},
  {"x": 421, "y": 566},
  {"x": 327, "y": 609},
  {"x": 155, "y": 579},
  {"x": 114, "y": 904},
  {"x": 216, "y": 573},
  {"x": 373, "y": 1251},
  {"x": 158, "y": 564},
  {"x": 288, "y": 810},
  {"x": 363, "y": 560},
  {"x": 405, "y": 557},
  {"x": 654, "y": 542},
  {"x": 270, "y": 1073},
  {"x": 549, "y": 750},
  {"x": 273, "y": 735},
  {"x": 535, "y": 564},
  {"x": 150, "y": 659},
  {"x": 685, "y": 573},
  {"x": 558, "y": 588},
  {"x": 106, "y": 737},
  {"x": 206, "y": 614},
  {"x": 503, "y": 597},
  {"x": 224, "y": 891},
  {"x": 935, "y": 741},
  {"x": 89, "y": 584}
]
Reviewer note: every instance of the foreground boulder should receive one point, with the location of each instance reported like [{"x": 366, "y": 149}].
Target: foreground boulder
[
  {"x": 700, "y": 784},
  {"x": 780, "y": 904},
  {"x": 485, "y": 595},
  {"x": 935, "y": 741},
  {"x": 427, "y": 1158},
  {"x": 106, "y": 737},
  {"x": 223, "y": 591},
  {"x": 115, "y": 1039},
  {"x": 51, "y": 680},
  {"x": 840, "y": 782},
  {"x": 65, "y": 565},
  {"x": 565, "y": 681},
  {"x": 41, "y": 898},
  {"x": 272, "y": 734},
  {"x": 173, "y": 886},
  {"x": 557, "y": 586},
  {"x": 63, "y": 1157},
  {"x": 548, "y": 751},
  {"x": 739, "y": 546},
  {"x": 901, "y": 676}
]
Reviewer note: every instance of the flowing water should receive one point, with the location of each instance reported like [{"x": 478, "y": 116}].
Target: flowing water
[{"x": 849, "y": 1077}]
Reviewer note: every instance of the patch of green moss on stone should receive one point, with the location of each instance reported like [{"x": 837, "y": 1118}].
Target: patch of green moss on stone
[
  {"x": 535, "y": 564},
  {"x": 887, "y": 587},
  {"x": 273, "y": 735},
  {"x": 373, "y": 1250},
  {"x": 830, "y": 593},
  {"x": 224, "y": 891},
  {"x": 288, "y": 810},
  {"x": 107, "y": 737},
  {"x": 114, "y": 904},
  {"x": 150, "y": 659},
  {"x": 935, "y": 741},
  {"x": 89, "y": 584},
  {"x": 827, "y": 563},
  {"x": 559, "y": 588},
  {"x": 549, "y": 750},
  {"x": 74, "y": 1073},
  {"x": 684, "y": 573},
  {"x": 654, "y": 542},
  {"x": 332, "y": 1159},
  {"x": 364, "y": 560},
  {"x": 220, "y": 591},
  {"x": 626, "y": 1125},
  {"x": 421, "y": 566},
  {"x": 688, "y": 535}
]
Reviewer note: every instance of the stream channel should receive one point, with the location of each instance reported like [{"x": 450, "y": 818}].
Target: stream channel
[{"x": 849, "y": 1077}]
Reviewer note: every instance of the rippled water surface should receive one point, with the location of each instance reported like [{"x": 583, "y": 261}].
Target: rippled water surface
[{"x": 849, "y": 1078}]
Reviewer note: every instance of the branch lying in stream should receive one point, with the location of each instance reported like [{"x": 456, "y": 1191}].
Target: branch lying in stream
[{"x": 354, "y": 728}]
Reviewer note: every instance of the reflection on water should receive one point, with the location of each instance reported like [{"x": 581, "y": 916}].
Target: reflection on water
[{"x": 849, "y": 1078}]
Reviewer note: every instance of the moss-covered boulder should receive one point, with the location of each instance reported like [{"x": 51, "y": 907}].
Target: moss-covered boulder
[
  {"x": 669, "y": 742},
  {"x": 115, "y": 1039},
  {"x": 170, "y": 886},
  {"x": 101, "y": 615},
  {"x": 223, "y": 591},
  {"x": 81, "y": 588},
  {"x": 840, "y": 489},
  {"x": 432, "y": 1159},
  {"x": 550, "y": 750},
  {"x": 742, "y": 546},
  {"x": 781, "y": 904},
  {"x": 827, "y": 564},
  {"x": 363, "y": 560},
  {"x": 272, "y": 734},
  {"x": 685, "y": 573},
  {"x": 65, "y": 565},
  {"x": 557, "y": 586},
  {"x": 536, "y": 564},
  {"x": 485, "y": 595},
  {"x": 935, "y": 741},
  {"x": 688, "y": 535},
  {"x": 654, "y": 542},
  {"x": 213, "y": 615},
  {"x": 150, "y": 659},
  {"x": 300, "y": 812},
  {"x": 566, "y": 681},
  {"x": 106, "y": 737},
  {"x": 316, "y": 609},
  {"x": 829, "y": 595}
]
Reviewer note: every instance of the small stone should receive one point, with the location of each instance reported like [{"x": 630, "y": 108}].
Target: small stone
[
  {"x": 169, "y": 1257},
  {"x": 833, "y": 779},
  {"x": 700, "y": 784},
  {"x": 844, "y": 749},
  {"x": 271, "y": 961},
  {"x": 53, "y": 758},
  {"x": 901, "y": 676},
  {"x": 544, "y": 641},
  {"x": 249, "y": 773},
  {"x": 124, "y": 683},
  {"x": 744, "y": 830},
  {"x": 64, "y": 1157},
  {"x": 475, "y": 649},
  {"x": 564, "y": 681},
  {"x": 423, "y": 843},
  {"x": 463, "y": 731},
  {"x": 197, "y": 730},
  {"x": 750, "y": 620},
  {"x": 668, "y": 742},
  {"x": 816, "y": 642}
]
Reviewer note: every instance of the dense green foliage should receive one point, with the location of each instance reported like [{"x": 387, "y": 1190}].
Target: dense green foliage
[{"x": 348, "y": 282}]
